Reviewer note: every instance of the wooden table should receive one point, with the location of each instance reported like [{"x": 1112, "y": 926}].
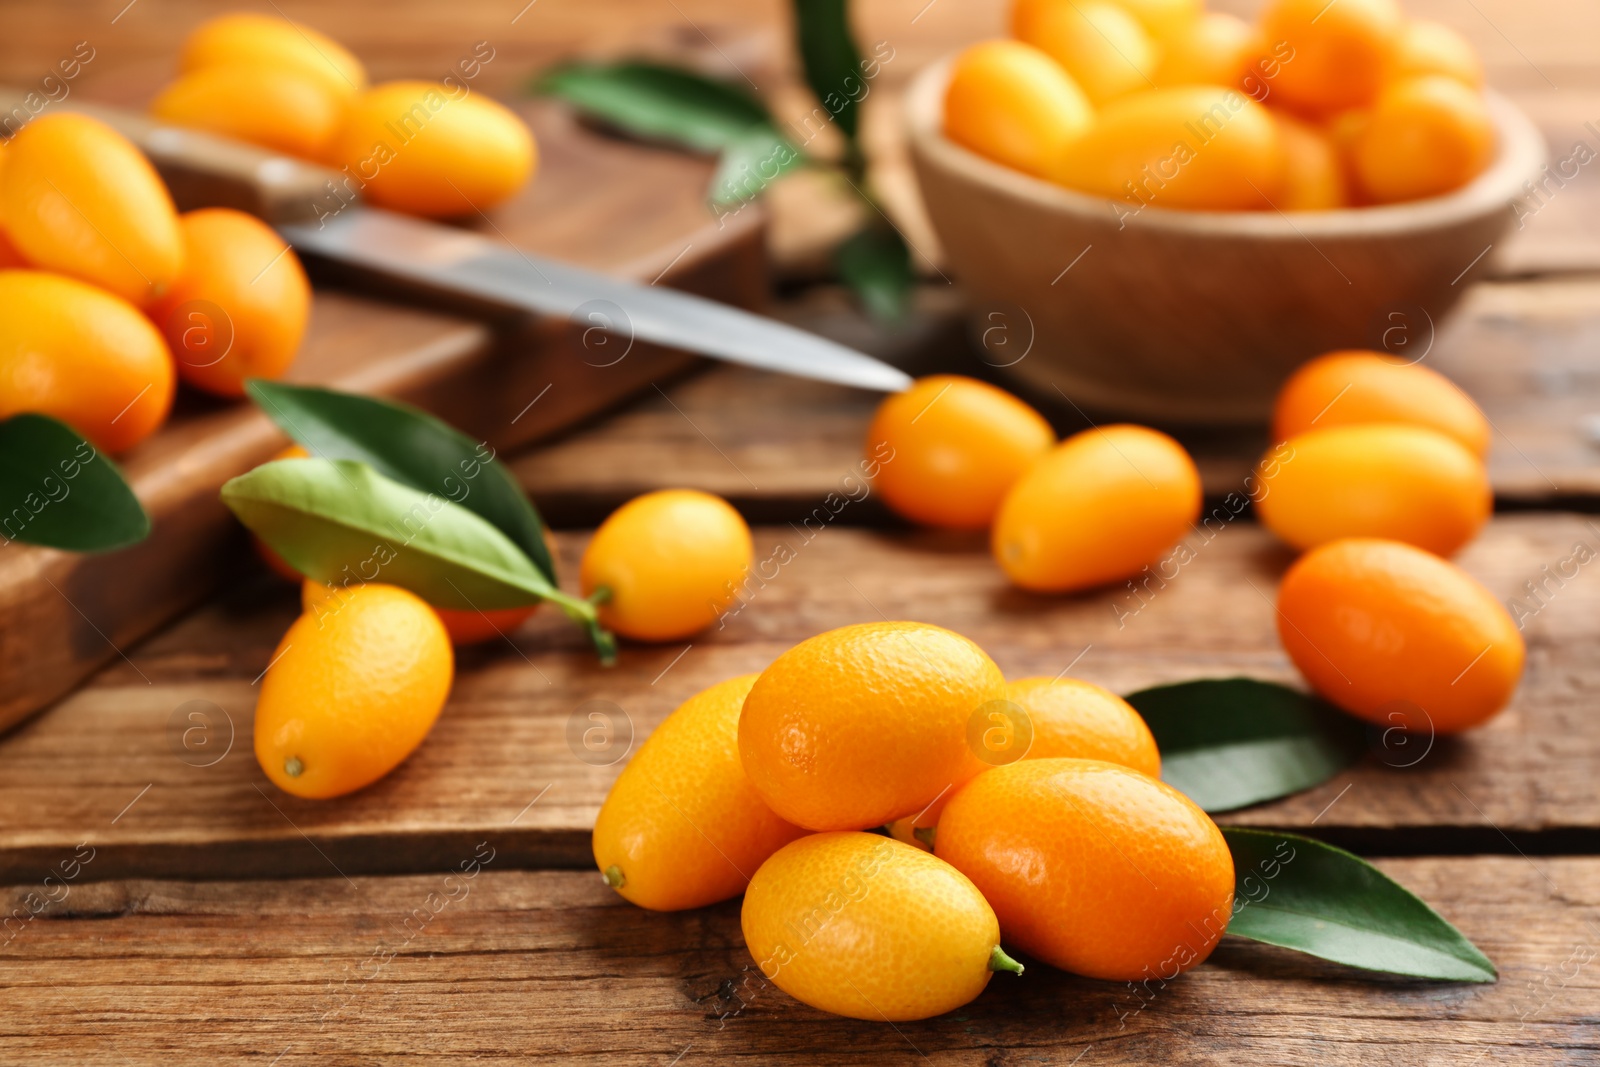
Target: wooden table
[{"x": 210, "y": 918}]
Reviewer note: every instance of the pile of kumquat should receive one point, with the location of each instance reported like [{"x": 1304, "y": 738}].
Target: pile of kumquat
[{"x": 1160, "y": 103}]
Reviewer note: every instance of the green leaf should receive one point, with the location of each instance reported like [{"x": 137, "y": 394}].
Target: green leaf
[
  {"x": 658, "y": 102},
  {"x": 411, "y": 447},
  {"x": 1302, "y": 894},
  {"x": 340, "y": 521},
  {"x": 57, "y": 490},
  {"x": 679, "y": 107},
  {"x": 1227, "y": 743},
  {"x": 752, "y": 162},
  {"x": 831, "y": 60},
  {"x": 876, "y": 265}
]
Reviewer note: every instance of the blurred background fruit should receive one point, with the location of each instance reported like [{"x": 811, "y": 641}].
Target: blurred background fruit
[
  {"x": 467, "y": 627},
  {"x": 83, "y": 355},
  {"x": 1342, "y": 50},
  {"x": 1389, "y": 480},
  {"x": 1103, "y": 504},
  {"x": 1355, "y": 387},
  {"x": 9, "y": 256},
  {"x": 1197, "y": 147},
  {"x": 238, "y": 309},
  {"x": 245, "y": 39},
  {"x": 78, "y": 198},
  {"x": 1163, "y": 19},
  {"x": 1399, "y": 636},
  {"x": 1313, "y": 172},
  {"x": 1215, "y": 48},
  {"x": 1425, "y": 136},
  {"x": 950, "y": 447},
  {"x": 1012, "y": 103},
  {"x": 1097, "y": 42},
  {"x": 431, "y": 149},
  {"x": 1428, "y": 47},
  {"x": 281, "y": 108}
]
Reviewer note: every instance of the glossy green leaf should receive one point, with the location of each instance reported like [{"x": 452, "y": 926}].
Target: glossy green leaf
[
  {"x": 658, "y": 102},
  {"x": 876, "y": 265},
  {"x": 1304, "y": 895},
  {"x": 831, "y": 60},
  {"x": 1230, "y": 742},
  {"x": 679, "y": 107},
  {"x": 57, "y": 490},
  {"x": 411, "y": 447},
  {"x": 340, "y": 521}
]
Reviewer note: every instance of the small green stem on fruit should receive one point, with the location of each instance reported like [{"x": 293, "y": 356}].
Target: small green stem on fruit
[
  {"x": 998, "y": 960},
  {"x": 924, "y": 834},
  {"x": 600, "y": 596},
  {"x": 293, "y": 767},
  {"x": 615, "y": 879},
  {"x": 605, "y": 643}
]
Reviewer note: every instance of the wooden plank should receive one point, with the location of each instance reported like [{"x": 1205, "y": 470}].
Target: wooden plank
[
  {"x": 508, "y": 965},
  {"x": 1524, "y": 351},
  {"x": 774, "y": 445},
  {"x": 205, "y": 810},
  {"x": 1556, "y": 230},
  {"x": 634, "y": 211}
]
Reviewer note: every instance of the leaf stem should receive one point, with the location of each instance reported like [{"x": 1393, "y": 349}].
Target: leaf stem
[{"x": 584, "y": 613}]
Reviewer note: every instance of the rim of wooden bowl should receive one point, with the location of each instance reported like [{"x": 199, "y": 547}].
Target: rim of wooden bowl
[{"x": 1520, "y": 154}]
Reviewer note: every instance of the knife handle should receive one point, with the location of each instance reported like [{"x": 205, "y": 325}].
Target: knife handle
[{"x": 202, "y": 169}]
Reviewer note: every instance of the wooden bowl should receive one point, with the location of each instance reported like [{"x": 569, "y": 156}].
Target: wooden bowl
[{"x": 1197, "y": 316}]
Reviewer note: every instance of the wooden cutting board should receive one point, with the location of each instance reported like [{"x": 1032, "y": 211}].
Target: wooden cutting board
[{"x": 633, "y": 211}]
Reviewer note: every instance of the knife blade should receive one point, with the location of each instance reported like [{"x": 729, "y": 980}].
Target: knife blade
[
  {"x": 470, "y": 264},
  {"x": 204, "y": 170}
]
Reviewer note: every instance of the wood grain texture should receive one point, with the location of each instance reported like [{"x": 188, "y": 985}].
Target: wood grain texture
[
  {"x": 512, "y": 729},
  {"x": 550, "y": 965},
  {"x": 1524, "y": 351},
  {"x": 508, "y": 965}
]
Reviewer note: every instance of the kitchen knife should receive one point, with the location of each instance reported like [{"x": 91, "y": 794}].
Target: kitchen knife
[{"x": 318, "y": 212}]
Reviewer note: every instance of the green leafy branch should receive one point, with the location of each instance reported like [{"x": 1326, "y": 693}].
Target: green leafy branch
[
  {"x": 396, "y": 495},
  {"x": 671, "y": 105}
]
